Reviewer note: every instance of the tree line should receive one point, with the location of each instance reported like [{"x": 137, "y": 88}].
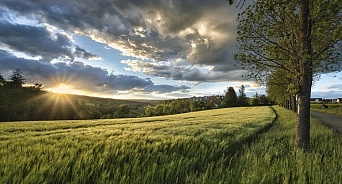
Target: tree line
[
  {"x": 286, "y": 45},
  {"x": 229, "y": 99}
]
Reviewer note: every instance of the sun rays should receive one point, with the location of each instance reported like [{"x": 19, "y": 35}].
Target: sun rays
[{"x": 51, "y": 106}]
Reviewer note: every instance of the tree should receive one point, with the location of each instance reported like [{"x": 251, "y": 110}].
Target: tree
[
  {"x": 122, "y": 112},
  {"x": 39, "y": 87},
  {"x": 16, "y": 79},
  {"x": 242, "y": 99},
  {"x": 286, "y": 36},
  {"x": 255, "y": 100},
  {"x": 230, "y": 97},
  {"x": 279, "y": 90}
]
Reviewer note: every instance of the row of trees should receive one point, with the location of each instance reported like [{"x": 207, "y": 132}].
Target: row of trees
[
  {"x": 286, "y": 44},
  {"x": 230, "y": 99}
]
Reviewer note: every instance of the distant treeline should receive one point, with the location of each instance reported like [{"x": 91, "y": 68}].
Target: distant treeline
[{"x": 230, "y": 99}]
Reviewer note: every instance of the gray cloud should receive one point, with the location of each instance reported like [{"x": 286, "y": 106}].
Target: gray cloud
[
  {"x": 182, "y": 72},
  {"x": 39, "y": 41},
  {"x": 79, "y": 75},
  {"x": 201, "y": 32}
]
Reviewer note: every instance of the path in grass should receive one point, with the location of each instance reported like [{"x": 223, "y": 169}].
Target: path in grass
[{"x": 332, "y": 121}]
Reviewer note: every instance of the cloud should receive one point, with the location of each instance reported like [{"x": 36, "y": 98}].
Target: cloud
[
  {"x": 40, "y": 41},
  {"x": 200, "y": 32},
  {"x": 181, "y": 72},
  {"x": 80, "y": 76}
]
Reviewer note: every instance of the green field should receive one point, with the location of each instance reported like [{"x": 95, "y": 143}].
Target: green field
[
  {"x": 216, "y": 146},
  {"x": 271, "y": 158},
  {"x": 333, "y": 108},
  {"x": 166, "y": 149}
]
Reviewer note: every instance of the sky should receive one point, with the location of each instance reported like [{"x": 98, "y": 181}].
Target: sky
[{"x": 129, "y": 49}]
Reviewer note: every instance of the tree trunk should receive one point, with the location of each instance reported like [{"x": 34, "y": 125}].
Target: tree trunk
[
  {"x": 303, "y": 111},
  {"x": 293, "y": 103}
]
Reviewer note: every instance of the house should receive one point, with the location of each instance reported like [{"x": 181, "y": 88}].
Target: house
[
  {"x": 338, "y": 100},
  {"x": 316, "y": 100}
]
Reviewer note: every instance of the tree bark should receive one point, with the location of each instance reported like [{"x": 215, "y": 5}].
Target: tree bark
[{"x": 303, "y": 111}]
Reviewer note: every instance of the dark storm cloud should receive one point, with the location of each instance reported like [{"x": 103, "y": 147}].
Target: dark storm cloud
[
  {"x": 199, "y": 31},
  {"x": 78, "y": 75},
  {"x": 39, "y": 41}
]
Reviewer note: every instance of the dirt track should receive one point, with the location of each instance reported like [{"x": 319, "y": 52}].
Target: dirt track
[{"x": 332, "y": 121}]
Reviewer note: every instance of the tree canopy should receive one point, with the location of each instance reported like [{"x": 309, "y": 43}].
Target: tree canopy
[
  {"x": 230, "y": 97},
  {"x": 287, "y": 43}
]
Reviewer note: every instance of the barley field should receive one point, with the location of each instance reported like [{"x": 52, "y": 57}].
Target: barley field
[
  {"x": 271, "y": 158},
  {"x": 164, "y": 149}
]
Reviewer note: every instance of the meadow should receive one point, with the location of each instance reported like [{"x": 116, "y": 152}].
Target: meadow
[
  {"x": 165, "y": 149},
  {"x": 333, "y": 108}
]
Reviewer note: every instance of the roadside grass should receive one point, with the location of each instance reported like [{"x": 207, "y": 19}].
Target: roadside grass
[
  {"x": 271, "y": 158},
  {"x": 168, "y": 149},
  {"x": 335, "y": 109}
]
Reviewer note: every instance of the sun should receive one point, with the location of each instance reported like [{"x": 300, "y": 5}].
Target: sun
[{"x": 63, "y": 89}]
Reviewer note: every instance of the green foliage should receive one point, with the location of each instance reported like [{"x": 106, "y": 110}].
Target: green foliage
[
  {"x": 272, "y": 159},
  {"x": 269, "y": 40},
  {"x": 242, "y": 98},
  {"x": 184, "y": 105},
  {"x": 230, "y": 97},
  {"x": 165, "y": 149},
  {"x": 122, "y": 112}
]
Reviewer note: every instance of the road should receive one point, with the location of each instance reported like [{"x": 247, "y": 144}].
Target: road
[{"x": 333, "y": 121}]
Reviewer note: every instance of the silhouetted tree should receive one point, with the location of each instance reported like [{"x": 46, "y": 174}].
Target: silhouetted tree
[
  {"x": 230, "y": 97},
  {"x": 16, "y": 79},
  {"x": 242, "y": 99}
]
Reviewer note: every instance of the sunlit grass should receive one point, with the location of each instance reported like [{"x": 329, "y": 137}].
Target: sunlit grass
[
  {"x": 142, "y": 150},
  {"x": 272, "y": 158}
]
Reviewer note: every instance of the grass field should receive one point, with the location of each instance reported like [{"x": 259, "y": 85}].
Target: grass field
[
  {"x": 335, "y": 108},
  {"x": 168, "y": 149},
  {"x": 271, "y": 157}
]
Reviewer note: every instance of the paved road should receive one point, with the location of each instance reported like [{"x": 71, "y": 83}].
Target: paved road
[{"x": 332, "y": 121}]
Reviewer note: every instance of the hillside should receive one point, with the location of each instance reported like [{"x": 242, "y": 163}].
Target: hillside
[{"x": 20, "y": 104}]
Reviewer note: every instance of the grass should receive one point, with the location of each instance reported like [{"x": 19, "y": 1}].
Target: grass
[
  {"x": 199, "y": 147},
  {"x": 271, "y": 158},
  {"x": 335, "y": 109},
  {"x": 169, "y": 149}
]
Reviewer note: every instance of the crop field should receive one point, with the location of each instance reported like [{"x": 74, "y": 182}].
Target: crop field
[
  {"x": 271, "y": 158},
  {"x": 165, "y": 149},
  {"x": 335, "y": 109}
]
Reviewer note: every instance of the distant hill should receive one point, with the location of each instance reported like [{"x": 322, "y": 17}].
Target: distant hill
[{"x": 19, "y": 104}]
